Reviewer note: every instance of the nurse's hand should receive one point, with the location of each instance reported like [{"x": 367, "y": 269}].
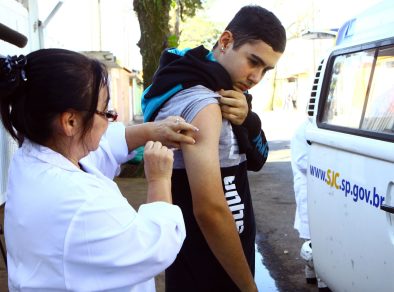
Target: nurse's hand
[
  {"x": 172, "y": 131},
  {"x": 233, "y": 105},
  {"x": 158, "y": 161}
]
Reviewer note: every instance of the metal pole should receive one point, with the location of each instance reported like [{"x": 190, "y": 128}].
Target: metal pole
[{"x": 43, "y": 24}]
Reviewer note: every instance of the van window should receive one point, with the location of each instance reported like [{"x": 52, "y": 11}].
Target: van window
[
  {"x": 379, "y": 115},
  {"x": 360, "y": 94}
]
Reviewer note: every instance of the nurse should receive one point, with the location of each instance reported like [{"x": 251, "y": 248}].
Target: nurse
[{"x": 67, "y": 226}]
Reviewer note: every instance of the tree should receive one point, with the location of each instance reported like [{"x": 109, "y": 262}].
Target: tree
[
  {"x": 153, "y": 16},
  {"x": 154, "y": 20}
]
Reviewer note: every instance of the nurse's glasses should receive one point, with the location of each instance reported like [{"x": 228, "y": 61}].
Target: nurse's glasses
[{"x": 110, "y": 115}]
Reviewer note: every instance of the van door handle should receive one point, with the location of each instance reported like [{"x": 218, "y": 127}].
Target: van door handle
[{"x": 387, "y": 208}]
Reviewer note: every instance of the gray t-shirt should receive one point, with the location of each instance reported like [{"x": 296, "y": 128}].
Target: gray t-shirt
[{"x": 187, "y": 104}]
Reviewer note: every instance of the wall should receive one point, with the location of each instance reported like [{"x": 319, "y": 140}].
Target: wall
[{"x": 120, "y": 93}]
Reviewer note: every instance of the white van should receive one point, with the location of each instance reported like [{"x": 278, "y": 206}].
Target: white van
[{"x": 351, "y": 163}]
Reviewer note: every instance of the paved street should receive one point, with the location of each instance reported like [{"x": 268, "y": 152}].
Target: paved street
[{"x": 274, "y": 207}]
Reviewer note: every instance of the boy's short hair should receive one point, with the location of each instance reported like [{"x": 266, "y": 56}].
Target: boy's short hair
[{"x": 253, "y": 23}]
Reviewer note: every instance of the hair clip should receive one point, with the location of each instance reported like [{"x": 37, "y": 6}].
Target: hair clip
[{"x": 10, "y": 66}]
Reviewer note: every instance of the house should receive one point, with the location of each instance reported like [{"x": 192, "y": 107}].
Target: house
[{"x": 125, "y": 87}]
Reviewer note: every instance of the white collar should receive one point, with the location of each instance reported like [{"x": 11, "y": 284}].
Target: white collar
[{"x": 47, "y": 155}]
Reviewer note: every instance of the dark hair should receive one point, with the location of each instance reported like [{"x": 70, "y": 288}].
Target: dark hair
[
  {"x": 50, "y": 82},
  {"x": 253, "y": 23}
]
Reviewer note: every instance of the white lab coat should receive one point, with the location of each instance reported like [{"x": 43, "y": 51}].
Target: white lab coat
[
  {"x": 299, "y": 163},
  {"x": 67, "y": 229}
]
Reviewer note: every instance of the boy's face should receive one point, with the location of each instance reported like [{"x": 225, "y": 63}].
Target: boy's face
[{"x": 248, "y": 63}]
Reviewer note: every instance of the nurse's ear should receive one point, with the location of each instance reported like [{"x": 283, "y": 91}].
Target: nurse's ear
[{"x": 69, "y": 123}]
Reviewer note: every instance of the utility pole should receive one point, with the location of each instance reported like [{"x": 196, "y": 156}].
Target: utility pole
[
  {"x": 36, "y": 27},
  {"x": 43, "y": 24},
  {"x": 99, "y": 25}
]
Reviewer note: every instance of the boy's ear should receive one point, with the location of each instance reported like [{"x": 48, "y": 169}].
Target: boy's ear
[
  {"x": 69, "y": 123},
  {"x": 226, "y": 39}
]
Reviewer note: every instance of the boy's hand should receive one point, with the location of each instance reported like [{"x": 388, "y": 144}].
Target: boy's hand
[{"x": 233, "y": 105}]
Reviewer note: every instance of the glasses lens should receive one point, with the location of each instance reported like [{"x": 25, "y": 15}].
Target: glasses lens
[{"x": 111, "y": 115}]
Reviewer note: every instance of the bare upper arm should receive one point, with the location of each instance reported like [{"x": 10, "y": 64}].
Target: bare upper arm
[{"x": 202, "y": 160}]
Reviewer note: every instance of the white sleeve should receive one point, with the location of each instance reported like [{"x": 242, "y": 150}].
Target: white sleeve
[
  {"x": 128, "y": 249},
  {"x": 112, "y": 151},
  {"x": 300, "y": 149}
]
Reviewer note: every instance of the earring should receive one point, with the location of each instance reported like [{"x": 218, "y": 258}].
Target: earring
[{"x": 222, "y": 49}]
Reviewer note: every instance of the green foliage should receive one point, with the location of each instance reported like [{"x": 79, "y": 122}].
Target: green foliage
[
  {"x": 189, "y": 7},
  {"x": 172, "y": 41},
  {"x": 199, "y": 31}
]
